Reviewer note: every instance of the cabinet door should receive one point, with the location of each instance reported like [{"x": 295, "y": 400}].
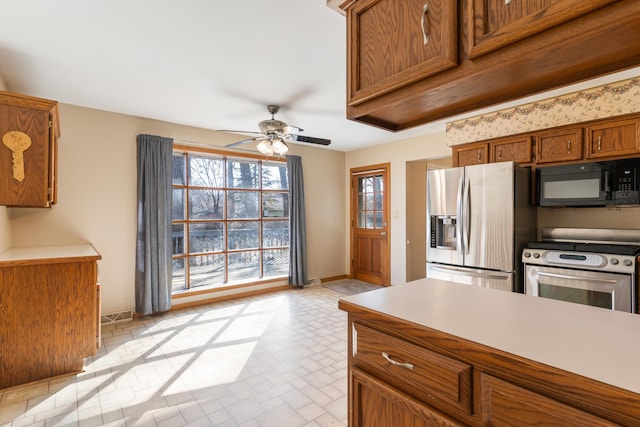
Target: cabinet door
[
  {"x": 505, "y": 404},
  {"x": 29, "y": 187},
  {"x": 512, "y": 149},
  {"x": 376, "y": 404},
  {"x": 558, "y": 146},
  {"x": 613, "y": 139},
  {"x": 494, "y": 24},
  {"x": 470, "y": 154},
  {"x": 392, "y": 43}
]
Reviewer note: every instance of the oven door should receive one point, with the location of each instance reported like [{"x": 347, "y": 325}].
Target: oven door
[{"x": 606, "y": 290}]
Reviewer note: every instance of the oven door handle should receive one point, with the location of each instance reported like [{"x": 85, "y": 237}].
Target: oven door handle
[{"x": 583, "y": 279}]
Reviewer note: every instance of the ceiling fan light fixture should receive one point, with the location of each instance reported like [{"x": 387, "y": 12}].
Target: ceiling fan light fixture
[
  {"x": 265, "y": 147},
  {"x": 279, "y": 146}
]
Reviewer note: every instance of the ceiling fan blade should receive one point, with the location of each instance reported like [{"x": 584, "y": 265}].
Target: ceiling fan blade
[
  {"x": 239, "y": 131},
  {"x": 310, "y": 139},
  {"x": 233, "y": 144}
]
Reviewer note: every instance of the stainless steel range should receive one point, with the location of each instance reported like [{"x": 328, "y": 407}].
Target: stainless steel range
[{"x": 596, "y": 267}]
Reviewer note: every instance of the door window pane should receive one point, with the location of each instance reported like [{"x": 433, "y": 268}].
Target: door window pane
[
  {"x": 206, "y": 237},
  {"x": 370, "y": 201}
]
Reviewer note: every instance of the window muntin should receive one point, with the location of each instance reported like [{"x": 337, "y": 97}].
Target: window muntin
[{"x": 230, "y": 220}]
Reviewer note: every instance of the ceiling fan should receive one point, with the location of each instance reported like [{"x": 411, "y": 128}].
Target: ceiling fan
[{"x": 274, "y": 134}]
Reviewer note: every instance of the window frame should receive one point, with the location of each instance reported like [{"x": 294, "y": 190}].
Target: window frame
[{"x": 186, "y": 221}]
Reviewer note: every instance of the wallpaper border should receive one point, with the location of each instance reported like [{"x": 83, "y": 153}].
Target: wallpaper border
[{"x": 609, "y": 100}]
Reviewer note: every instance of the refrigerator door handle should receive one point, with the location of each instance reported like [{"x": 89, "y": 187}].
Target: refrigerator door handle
[
  {"x": 459, "y": 217},
  {"x": 466, "y": 215}
]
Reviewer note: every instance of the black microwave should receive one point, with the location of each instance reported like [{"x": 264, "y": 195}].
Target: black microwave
[{"x": 589, "y": 184}]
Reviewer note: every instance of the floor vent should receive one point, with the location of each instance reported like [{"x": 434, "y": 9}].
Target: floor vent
[{"x": 121, "y": 316}]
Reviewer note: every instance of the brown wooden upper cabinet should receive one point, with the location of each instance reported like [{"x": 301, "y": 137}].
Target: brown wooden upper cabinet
[
  {"x": 559, "y": 145},
  {"x": 613, "y": 139},
  {"x": 494, "y": 24},
  {"x": 517, "y": 149},
  {"x": 470, "y": 154},
  {"x": 394, "y": 43},
  {"x": 28, "y": 150},
  {"x": 477, "y": 53}
]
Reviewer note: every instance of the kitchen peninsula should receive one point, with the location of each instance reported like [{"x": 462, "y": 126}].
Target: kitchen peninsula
[{"x": 432, "y": 352}]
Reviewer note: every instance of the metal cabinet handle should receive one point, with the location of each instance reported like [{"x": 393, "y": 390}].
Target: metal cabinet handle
[
  {"x": 395, "y": 363},
  {"x": 384, "y": 233},
  {"x": 479, "y": 158},
  {"x": 507, "y": 1},
  {"x": 425, "y": 35},
  {"x": 568, "y": 147},
  {"x": 499, "y": 153},
  {"x": 599, "y": 141}
]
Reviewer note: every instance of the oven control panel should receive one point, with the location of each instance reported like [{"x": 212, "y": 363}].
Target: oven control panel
[{"x": 581, "y": 260}]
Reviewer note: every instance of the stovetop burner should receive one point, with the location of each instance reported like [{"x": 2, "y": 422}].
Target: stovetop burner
[{"x": 603, "y": 248}]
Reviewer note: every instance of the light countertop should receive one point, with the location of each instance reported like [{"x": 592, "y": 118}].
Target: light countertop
[
  {"x": 593, "y": 342},
  {"x": 42, "y": 254}
]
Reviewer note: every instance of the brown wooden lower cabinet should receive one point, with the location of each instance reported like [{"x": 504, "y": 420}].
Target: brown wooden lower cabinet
[
  {"x": 48, "y": 309},
  {"x": 402, "y": 374},
  {"x": 377, "y": 404}
]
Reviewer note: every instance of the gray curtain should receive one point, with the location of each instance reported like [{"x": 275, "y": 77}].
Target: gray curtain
[
  {"x": 153, "y": 245},
  {"x": 297, "y": 224}
]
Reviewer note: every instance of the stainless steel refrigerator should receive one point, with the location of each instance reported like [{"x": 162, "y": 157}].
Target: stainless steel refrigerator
[{"x": 478, "y": 220}]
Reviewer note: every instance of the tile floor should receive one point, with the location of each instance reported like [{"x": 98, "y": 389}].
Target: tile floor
[{"x": 273, "y": 360}]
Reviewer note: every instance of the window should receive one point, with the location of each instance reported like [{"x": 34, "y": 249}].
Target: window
[{"x": 230, "y": 220}]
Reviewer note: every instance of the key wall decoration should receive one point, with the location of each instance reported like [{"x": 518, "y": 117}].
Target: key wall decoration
[{"x": 18, "y": 142}]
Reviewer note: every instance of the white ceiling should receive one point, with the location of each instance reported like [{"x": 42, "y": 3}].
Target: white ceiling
[{"x": 207, "y": 63}]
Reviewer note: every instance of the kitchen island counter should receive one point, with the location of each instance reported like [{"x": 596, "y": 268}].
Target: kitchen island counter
[{"x": 552, "y": 347}]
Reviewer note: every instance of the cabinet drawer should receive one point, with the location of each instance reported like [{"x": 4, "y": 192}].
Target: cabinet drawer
[
  {"x": 506, "y": 404},
  {"x": 424, "y": 374},
  {"x": 558, "y": 146}
]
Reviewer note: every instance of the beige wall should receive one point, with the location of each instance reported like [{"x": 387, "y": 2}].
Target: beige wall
[
  {"x": 97, "y": 197},
  {"x": 5, "y": 230},
  {"x": 398, "y": 154},
  {"x": 589, "y": 217}
]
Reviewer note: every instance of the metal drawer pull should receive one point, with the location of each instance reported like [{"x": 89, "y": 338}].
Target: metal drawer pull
[
  {"x": 393, "y": 362},
  {"x": 569, "y": 147},
  {"x": 507, "y": 1},
  {"x": 599, "y": 141},
  {"x": 425, "y": 35}
]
